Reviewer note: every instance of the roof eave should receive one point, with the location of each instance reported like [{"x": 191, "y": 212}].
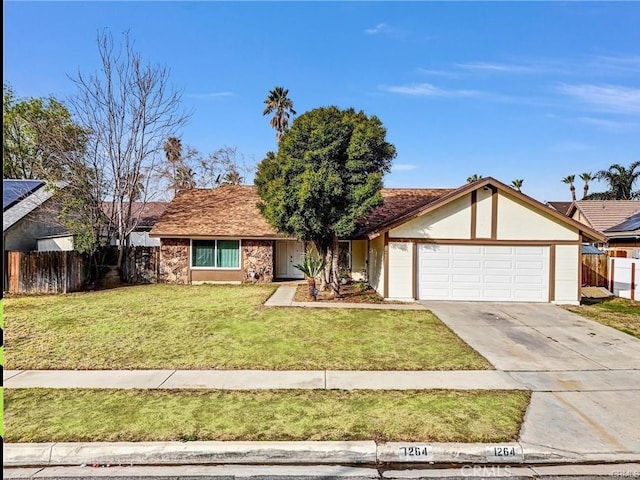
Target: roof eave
[{"x": 585, "y": 230}]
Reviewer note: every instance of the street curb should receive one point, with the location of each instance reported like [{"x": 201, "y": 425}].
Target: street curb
[
  {"x": 295, "y": 453},
  {"x": 236, "y": 472}
]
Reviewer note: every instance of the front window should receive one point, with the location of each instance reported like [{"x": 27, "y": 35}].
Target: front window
[{"x": 215, "y": 253}]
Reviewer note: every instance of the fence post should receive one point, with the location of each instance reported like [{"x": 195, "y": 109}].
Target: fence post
[
  {"x": 633, "y": 280},
  {"x": 612, "y": 275},
  {"x": 14, "y": 272}
]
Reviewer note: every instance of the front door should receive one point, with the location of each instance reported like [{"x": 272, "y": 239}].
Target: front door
[{"x": 288, "y": 254}]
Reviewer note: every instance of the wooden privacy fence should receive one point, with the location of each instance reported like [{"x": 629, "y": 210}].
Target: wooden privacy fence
[
  {"x": 594, "y": 269},
  {"x": 47, "y": 272},
  {"x": 141, "y": 265}
]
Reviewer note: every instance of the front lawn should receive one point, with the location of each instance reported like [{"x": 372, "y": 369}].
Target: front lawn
[
  {"x": 220, "y": 327},
  {"x": 43, "y": 415},
  {"x": 618, "y": 313}
]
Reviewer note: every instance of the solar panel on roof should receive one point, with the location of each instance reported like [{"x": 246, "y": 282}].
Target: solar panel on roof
[
  {"x": 630, "y": 224},
  {"x": 15, "y": 190}
]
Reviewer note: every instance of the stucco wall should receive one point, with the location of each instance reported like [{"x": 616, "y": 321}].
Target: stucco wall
[
  {"x": 452, "y": 220},
  {"x": 566, "y": 274},
  {"x": 401, "y": 270},
  {"x": 518, "y": 221},
  {"x": 359, "y": 260},
  {"x": 39, "y": 223},
  {"x": 376, "y": 264},
  {"x": 257, "y": 257},
  {"x": 483, "y": 213},
  {"x": 174, "y": 260}
]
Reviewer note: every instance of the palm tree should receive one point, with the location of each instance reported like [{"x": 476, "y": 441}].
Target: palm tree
[
  {"x": 569, "y": 180},
  {"x": 277, "y": 101},
  {"x": 184, "y": 178},
  {"x": 173, "y": 150},
  {"x": 232, "y": 177},
  {"x": 517, "y": 184},
  {"x": 586, "y": 177},
  {"x": 474, "y": 178},
  {"x": 620, "y": 180},
  {"x": 311, "y": 267}
]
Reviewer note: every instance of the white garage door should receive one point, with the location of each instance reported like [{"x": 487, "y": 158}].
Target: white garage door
[{"x": 483, "y": 273}]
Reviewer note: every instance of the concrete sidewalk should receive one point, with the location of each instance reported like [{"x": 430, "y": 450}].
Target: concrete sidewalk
[{"x": 261, "y": 379}]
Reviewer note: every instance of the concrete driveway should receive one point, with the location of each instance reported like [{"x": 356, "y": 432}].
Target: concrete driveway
[
  {"x": 585, "y": 377},
  {"x": 538, "y": 337}
]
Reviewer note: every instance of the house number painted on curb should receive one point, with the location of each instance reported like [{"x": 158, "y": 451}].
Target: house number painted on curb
[
  {"x": 504, "y": 452},
  {"x": 416, "y": 452}
]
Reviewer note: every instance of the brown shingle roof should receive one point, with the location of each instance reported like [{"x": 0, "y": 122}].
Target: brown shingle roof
[
  {"x": 604, "y": 214},
  {"x": 226, "y": 211},
  {"x": 562, "y": 207},
  {"x": 399, "y": 202},
  {"x": 231, "y": 211}
]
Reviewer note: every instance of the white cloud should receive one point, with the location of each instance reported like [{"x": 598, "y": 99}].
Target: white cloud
[
  {"x": 608, "y": 125},
  {"x": 429, "y": 90},
  {"x": 403, "y": 167},
  {"x": 210, "y": 95},
  {"x": 380, "y": 28},
  {"x": 608, "y": 98},
  {"x": 439, "y": 73},
  {"x": 495, "y": 67}
]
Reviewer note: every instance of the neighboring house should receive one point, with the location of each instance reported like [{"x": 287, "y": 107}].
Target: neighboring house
[
  {"x": 625, "y": 236},
  {"x": 482, "y": 241},
  {"x": 29, "y": 215},
  {"x": 609, "y": 217},
  {"x": 147, "y": 214},
  {"x": 562, "y": 207}
]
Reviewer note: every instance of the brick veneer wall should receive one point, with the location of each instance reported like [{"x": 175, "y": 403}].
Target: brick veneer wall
[
  {"x": 257, "y": 257},
  {"x": 174, "y": 260}
]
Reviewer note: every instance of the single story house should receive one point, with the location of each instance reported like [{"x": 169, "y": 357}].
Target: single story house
[
  {"x": 612, "y": 218},
  {"x": 625, "y": 236},
  {"x": 483, "y": 241}
]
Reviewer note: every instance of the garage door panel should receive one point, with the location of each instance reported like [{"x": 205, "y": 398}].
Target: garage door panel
[
  {"x": 497, "y": 264},
  {"x": 492, "y": 273}
]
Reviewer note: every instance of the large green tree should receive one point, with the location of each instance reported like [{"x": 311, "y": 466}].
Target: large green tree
[
  {"x": 326, "y": 175},
  {"x": 36, "y": 134}
]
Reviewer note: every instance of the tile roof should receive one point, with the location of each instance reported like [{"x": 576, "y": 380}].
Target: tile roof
[
  {"x": 562, "y": 207},
  {"x": 231, "y": 210},
  {"x": 604, "y": 214},
  {"x": 149, "y": 212}
]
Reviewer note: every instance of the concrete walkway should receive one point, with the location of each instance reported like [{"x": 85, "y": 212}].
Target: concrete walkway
[
  {"x": 284, "y": 295},
  {"x": 261, "y": 379}
]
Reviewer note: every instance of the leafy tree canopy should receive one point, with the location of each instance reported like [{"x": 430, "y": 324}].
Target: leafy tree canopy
[
  {"x": 36, "y": 134},
  {"x": 326, "y": 175}
]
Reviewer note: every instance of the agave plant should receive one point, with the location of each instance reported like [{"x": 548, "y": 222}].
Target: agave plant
[{"x": 311, "y": 267}]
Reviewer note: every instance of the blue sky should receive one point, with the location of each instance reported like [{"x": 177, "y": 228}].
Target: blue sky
[{"x": 531, "y": 90}]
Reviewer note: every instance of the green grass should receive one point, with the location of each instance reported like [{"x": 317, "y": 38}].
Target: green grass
[
  {"x": 45, "y": 415},
  {"x": 221, "y": 327},
  {"x": 618, "y": 313}
]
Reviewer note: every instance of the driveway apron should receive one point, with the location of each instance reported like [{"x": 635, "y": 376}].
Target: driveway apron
[{"x": 585, "y": 377}]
